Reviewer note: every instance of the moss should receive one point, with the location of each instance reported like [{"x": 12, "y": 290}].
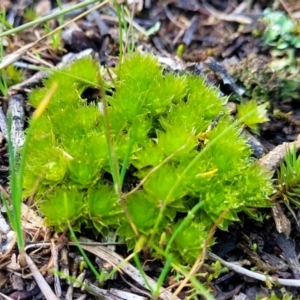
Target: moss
[
  {"x": 14, "y": 75},
  {"x": 268, "y": 79},
  {"x": 168, "y": 124}
]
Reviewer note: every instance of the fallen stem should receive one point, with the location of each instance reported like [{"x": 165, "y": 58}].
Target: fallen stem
[
  {"x": 47, "y": 18},
  {"x": 41, "y": 282},
  {"x": 251, "y": 274}
]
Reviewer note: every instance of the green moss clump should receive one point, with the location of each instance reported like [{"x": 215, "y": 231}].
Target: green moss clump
[
  {"x": 13, "y": 75},
  {"x": 159, "y": 123}
]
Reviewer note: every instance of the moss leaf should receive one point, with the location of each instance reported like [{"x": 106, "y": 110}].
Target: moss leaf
[{"x": 252, "y": 113}]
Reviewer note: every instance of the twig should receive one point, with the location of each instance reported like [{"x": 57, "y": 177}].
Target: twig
[
  {"x": 46, "y": 18},
  {"x": 39, "y": 76},
  {"x": 57, "y": 285},
  {"x": 6, "y": 297},
  {"x": 272, "y": 160},
  {"x": 227, "y": 17},
  {"x": 111, "y": 294},
  {"x": 3, "y": 125},
  {"x": 114, "y": 20},
  {"x": 103, "y": 28},
  {"x": 135, "y": 288},
  {"x": 173, "y": 19},
  {"x": 40, "y": 280},
  {"x": 130, "y": 270},
  {"x": 11, "y": 58},
  {"x": 251, "y": 274},
  {"x": 16, "y": 106},
  {"x": 82, "y": 297}
]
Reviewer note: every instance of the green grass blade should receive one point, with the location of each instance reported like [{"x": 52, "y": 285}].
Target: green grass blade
[
  {"x": 120, "y": 30},
  {"x": 183, "y": 224},
  {"x": 47, "y": 18},
  {"x": 163, "y": 274},
  {"x": 17, "y": 174},
  {"x": 74, "y": 239},
  {"x": 16, "y": 188},
  {"x": 128, "y": 153},
  {"x": 113, "y": 161},
  {"x": 3, "y": 80},
  {"x": 194, "y": 280},
  {"x": 140, "y": 268}
]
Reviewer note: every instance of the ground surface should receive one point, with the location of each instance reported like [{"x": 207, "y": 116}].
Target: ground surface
[{"x": 196, "y": 31}]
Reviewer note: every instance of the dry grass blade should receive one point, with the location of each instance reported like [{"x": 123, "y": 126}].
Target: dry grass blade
[
  {"x": 5, "y": 297},
  {"x": 255, "y": 275},
  {"x": 115, "y": 259},
  {"x": 227, "y": 17},
  {"x": 11, "y": 58},
  {"x": 200, "y": 260},
  {"x": 112, "y": 294},
  {"x": 41, "y": 282}
]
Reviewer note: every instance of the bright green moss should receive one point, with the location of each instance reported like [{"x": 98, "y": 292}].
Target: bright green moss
[
  {"x": 186, "y": 243},
  {"x": 61, "y": 205},
  {"x": 103, "y": 208},
  {"x": 153, "y": 117},
  {"x": 14, "y": 75}
]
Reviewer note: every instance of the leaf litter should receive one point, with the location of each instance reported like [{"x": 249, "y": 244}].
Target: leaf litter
[{"x": 219, "y": 30}]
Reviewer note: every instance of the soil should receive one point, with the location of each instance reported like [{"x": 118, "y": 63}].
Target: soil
[{"x": 217, "y": 39}]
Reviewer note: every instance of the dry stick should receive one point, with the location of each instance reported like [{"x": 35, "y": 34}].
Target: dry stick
[
  {"x": 227, "y": 17},
  {"x": 271, "y": 161},
  {"x": 46, "y": 18},
  {"x": 11, "y": 58},
  {"x": 57, "y": 285},
  {"x": 82, "y": 297},
  {"x": 103, "y": 28},
  {"x": 16, "y": 107},
  {"x": 41, "y": 75},
  {"x": 3, "y": 124},
  {"x": 40, "y": 280},
  {"x": 127, "y": 268},
  {"x": 135, "y": 288},
  {"x": 5, "y": 297},
  {"x": 111, "y": 293},
  {"x": 201, "y": 257},
  {"x": 173, "y": 19},
  {"x": 251, "y": 274}
]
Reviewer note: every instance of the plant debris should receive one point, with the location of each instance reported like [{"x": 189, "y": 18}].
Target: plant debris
[{"x": 249, "y": 49}]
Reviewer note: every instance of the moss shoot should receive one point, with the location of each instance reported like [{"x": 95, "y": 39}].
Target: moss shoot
[{"x": 170, "y": 132}]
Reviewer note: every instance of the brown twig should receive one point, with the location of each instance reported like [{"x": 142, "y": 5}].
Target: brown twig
[{"x": 40, "y": 280}]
